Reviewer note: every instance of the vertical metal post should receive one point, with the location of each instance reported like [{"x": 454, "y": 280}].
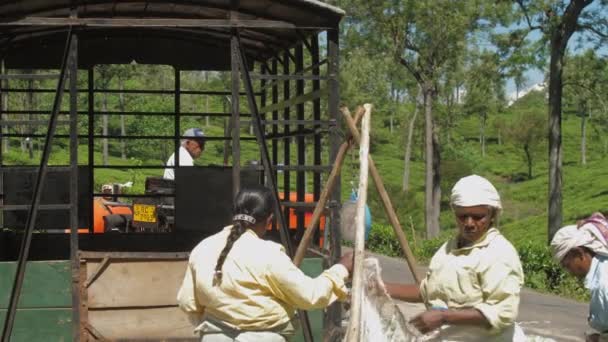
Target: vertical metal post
[
  {"x": 316, "y": 113},
  {"x": 4, "y": 142},
  {"x": 255, "y": 115},
  {"x": 301, "y": 143},
  {"x": 334, "y": 314},
  {"x": 33, "y": 211},
  {"x": 286, "y": 140},
  {"x": 91, "y": 142},
  {"x": 275, "y": 117},
  {"x": 74, "y": 259},
  {"x": 236, "y": 116},
  {"x": 263, "y": 114},
  {"x": 177, "y": 130}
]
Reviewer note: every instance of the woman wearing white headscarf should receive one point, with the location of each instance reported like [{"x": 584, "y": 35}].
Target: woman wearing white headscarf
[
  {"x": 583, "y": 251},
  {"x": 472, "y": 286}
]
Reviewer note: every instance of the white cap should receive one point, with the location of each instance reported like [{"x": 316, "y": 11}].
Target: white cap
[{"x": 475, "y": 190}]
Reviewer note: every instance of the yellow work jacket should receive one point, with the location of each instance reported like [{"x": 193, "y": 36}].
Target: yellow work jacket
[
  {"x": 486, "y": 276},
  {"x": 260, "y": 288}
]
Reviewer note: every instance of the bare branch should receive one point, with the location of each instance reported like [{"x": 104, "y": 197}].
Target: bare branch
[
  {"x": 417, "y": 75},
  {"x": 592, "y": 29},
  {"x": 525, "y": 10}
]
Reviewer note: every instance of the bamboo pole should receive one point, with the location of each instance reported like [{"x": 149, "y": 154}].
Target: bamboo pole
[
  {"x": 386, "y": 201},
  {"x": 354, "y": 326},
  {"x": 329, "y": 185}
]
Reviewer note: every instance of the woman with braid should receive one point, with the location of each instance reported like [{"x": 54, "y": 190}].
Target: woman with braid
[{"x": 246, "y": 289}]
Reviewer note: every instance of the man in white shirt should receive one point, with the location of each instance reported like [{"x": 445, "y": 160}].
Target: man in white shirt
[{"x": 191, "y": 148}]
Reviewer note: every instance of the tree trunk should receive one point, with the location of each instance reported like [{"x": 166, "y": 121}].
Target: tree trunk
[
  {"x": 104, "y": 128},
  {"x": 555, "y": 137},
  {"x": 583, "y": 139},
  {"x": 123, "y": 129},
  {"x": 432, "y": 223},
  {"x": 528, "y": 160},
  {"x": 408, "y": 149},
  {"x": 482, "y": 134},
  {"x": 559, "y": 41},
  {"x": 436, "y": 179}
]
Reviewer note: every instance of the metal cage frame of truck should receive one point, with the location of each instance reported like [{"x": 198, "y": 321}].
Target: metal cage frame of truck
[{"x": 277, "y": 43}]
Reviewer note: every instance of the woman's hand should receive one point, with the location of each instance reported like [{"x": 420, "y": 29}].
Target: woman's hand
[{"x": 429, "y": 320}]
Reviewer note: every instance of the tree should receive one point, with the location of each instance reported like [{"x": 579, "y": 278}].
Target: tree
[
  {"x": 485, "y": 92},
  {"x": 583, "y": 76},
  {"x": 424, "y": 37},
  {"x": 527, "y": 131},
  {"x": 558, "y": 20}
]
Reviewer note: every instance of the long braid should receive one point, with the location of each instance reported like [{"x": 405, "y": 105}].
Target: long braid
[
  {"x": 235, "y": 233},
  {"x": 252, "y": 207}
]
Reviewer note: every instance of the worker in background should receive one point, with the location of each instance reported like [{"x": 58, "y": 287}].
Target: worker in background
[
  {"x": 583, "y": 251},
  {"x": 244, "y": 288},
  {"x": 192, "y": 146},
  {"x": 472, "y": 288}
]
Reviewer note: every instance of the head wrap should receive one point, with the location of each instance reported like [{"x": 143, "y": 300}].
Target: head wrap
[
  {"x": 474, "y": 190},
  {"x": 572, "y": 236}
]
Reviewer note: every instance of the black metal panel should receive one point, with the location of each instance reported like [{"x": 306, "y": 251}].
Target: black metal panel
[
  {"x": 18, "y": 187},
  {"x": 203, "y": 201}
]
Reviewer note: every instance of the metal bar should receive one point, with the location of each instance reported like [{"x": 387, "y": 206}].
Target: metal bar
[
  {"x": 10, "y": 123},
  {"x": 292, "y": 134},
  {"x": 294, "y": 77},
  {"x": 158, "y": 22},
  {"x": 308, "y": 168},
  {"x": 91, "y": 140},
  {"x": 31, "y": 219},
  {"x": 319, "y": 64},
  {"x": 176, "y": 122},
  {"x": 27, "y": 76},
  {"x": 10, "y": 168},
  {"x": 125, "y": 91},
  {"x": 286, "y": 132},
  {"x": 4, "y": 142},
  {"x": 134, "y": 255},
  {"x": 275, "y": 119},
  {"x": 235, "y": 119},
  {"x": 300, "y": 99},
  {"x": 102, "y": 266},
  {"x": 74, "y": 261},
  {"x": 271, "y": 181},
  {"x": 301, "y": 144},
  {"x": 263, "y": 118},
  {"x": 41, "y": 112},
  {"x": 316, "y": 114},
  {"x": 101, "y": 136},
  {"x": 334, "y": 313},
  {"x": 17, "y": 207},
  {"x": 326, "y": 123}
]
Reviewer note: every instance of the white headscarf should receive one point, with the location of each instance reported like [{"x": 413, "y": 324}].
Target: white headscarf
[
  {"x": 572, "y": 236},
  {"x": 474, "y": 190}
]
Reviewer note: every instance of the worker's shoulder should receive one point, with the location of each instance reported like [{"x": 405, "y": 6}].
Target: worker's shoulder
[
  {"x": 501, "y": 249},
  {"x": 214, "y": 241},
  {"x": 500, "y": 242}
]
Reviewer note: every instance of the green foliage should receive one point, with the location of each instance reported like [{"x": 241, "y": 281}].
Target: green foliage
[{"x": 542, "y": 273}]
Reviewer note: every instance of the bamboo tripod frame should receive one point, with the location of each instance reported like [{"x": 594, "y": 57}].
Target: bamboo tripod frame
[{"x": 386, "y": 202}]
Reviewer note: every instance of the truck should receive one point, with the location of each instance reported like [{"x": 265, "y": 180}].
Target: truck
[{"x": 281, "y": 62}]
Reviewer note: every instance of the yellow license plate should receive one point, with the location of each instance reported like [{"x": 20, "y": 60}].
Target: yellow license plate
[{"x": 144, "y": 213}]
